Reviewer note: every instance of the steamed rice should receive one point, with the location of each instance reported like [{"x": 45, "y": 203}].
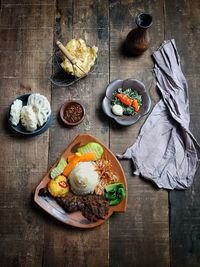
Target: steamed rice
[{"x": 83, "y": 178}]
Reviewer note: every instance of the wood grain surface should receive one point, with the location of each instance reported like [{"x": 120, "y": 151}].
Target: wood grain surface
[
  {"x": 185, "y": 213},
  {"x": 147, "y": 213},
  {"x": 25, "y": 44},
  {"x": 159, "y": 228}
]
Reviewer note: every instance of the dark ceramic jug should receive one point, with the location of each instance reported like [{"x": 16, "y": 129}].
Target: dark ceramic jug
[{"x": 138, "y": 39}]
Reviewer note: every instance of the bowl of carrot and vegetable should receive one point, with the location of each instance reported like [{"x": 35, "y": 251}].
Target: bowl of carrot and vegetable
[{"x": 126, "y": 101}]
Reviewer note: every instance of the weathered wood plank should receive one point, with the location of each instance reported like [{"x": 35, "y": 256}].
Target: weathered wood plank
[
  {"x": 24, "y": 160},
  {"x": 26, "y": 16},
  {"x": 139, "y": 237},
  {"x": 28, "y": 2},
  {"x": 67, "y": 246},
  {"x": 185, "y": 214}
]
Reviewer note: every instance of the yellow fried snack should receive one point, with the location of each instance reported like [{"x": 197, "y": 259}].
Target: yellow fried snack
[
  {"x": 84, "y": 55},
  {"x": 59, "y": 186}
]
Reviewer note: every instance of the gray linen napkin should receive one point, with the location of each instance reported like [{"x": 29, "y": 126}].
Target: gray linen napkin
[{"x": 165, "y": 151}]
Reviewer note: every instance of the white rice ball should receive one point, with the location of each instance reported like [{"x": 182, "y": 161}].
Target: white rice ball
[{"x": 83, "y": 178}]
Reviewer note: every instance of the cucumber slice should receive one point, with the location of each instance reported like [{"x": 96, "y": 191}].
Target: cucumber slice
[
  {"x": 59, "y": 168},
  {"x": 92, "y": 147}
]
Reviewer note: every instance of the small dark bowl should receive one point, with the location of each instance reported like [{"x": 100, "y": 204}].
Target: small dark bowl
[
  {"x": 124, "y": 84},
  {"x": 70, "y": 105},
  {"x": 19, "y": 129}
]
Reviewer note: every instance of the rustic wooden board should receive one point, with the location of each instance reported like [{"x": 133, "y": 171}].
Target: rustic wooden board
[
  {"x": 65, "y": 245},
  {"x": 140, "y": 237},
  {"x": 185, "y": 214},
  {"x": 153, "y": 231},
  {"x": 23, "y": 161}
]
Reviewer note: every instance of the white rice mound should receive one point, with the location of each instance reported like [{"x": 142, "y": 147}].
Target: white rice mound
[{"x": 83, "y": 178}]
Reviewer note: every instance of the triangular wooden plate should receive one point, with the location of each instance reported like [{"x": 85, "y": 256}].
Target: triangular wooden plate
[{"x": 76, "y": 219}]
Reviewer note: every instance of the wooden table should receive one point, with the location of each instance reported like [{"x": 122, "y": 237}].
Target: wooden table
[{"x": 159, "y": 228}]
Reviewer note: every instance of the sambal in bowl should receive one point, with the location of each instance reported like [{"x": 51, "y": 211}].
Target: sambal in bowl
[{"x": 72, "y": 113}]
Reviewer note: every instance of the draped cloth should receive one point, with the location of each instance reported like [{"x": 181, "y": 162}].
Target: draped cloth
[{"x": 165, "y": 151}]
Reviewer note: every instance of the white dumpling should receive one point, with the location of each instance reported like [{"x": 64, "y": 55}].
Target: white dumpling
[
  {"x": 41, "y": 117},
  {"x": 15, "y": 111},
  {"x": 28, "y": 118},
  {"x": 39, "y": 103},
  {"x": 41, "y": 107}
]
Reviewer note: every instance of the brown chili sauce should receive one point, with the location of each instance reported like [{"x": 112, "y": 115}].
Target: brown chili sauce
[{"x": 73, "y": 113}]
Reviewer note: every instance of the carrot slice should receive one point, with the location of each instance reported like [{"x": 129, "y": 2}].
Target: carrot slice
[
  {"x": 90, "y": 156},
  {"x": 71, "y": 165},
  {"x": 74, "y": 159},
  {"x": 135, "y": 105},
  {"x": 72, "y": 156}
]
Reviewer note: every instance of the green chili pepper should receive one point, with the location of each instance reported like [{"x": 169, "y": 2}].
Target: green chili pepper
[{"x": 115, "y": 193}]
